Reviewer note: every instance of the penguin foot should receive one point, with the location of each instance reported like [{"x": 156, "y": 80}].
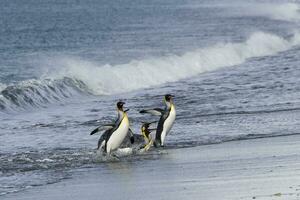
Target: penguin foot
[{"x": 131, "y": 139}]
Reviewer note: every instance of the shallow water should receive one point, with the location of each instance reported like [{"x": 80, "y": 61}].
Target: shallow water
[{"x": 232, "y": 66}]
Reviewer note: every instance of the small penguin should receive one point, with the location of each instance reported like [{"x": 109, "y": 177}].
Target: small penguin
[
  {"x": 167, "y": 118},
  {"x": 147, "y": 136},
  {"x": 116, "y": 132}
]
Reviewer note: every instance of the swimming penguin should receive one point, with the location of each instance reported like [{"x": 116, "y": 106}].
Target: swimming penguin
[
  {"x": 114, "y": 133},
  {"x": 167, "y": 118},
  {"x": 147, "y": 136}
]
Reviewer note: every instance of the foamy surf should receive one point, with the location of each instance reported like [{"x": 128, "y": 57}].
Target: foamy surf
[
  {"x": 78, "y": 76},
  {"x": 137, "y": 74},
  {"x": 37, "y": 93}
]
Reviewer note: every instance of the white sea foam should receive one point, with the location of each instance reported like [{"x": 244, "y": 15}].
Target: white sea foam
[{"x": 109, "y": 79}]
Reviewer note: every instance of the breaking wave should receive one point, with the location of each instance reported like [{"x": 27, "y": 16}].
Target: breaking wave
[
  {"x": 37, "y": 93},
  {"x": 110, "y": 79},
  {"x": 81, "y": 76}
]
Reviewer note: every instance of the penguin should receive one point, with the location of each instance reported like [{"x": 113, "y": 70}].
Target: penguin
[
  {"x": 148, "y": 141},
  {"x": 114, "y": 133},
  {"x": 165, "y": 123}
]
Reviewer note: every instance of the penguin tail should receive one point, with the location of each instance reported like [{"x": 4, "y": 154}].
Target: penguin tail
[{"x": 131, "y": 139}]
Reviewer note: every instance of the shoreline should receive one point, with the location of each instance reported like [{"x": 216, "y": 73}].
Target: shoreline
[{"x": 265, "y": 168}]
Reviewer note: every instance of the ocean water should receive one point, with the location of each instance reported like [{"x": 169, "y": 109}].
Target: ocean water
[{"x": 233, "y": 66}]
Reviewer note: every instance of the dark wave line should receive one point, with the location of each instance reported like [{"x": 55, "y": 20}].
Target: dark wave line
[{"x": 241, "y": 113}]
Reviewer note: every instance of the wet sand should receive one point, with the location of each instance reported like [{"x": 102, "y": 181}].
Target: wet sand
[{"x": 267, "y": 168}]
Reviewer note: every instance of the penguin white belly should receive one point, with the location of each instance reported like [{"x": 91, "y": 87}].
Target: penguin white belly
[
  {"x": 168, "y": 124},
  {"x": 118, "y": 136}
]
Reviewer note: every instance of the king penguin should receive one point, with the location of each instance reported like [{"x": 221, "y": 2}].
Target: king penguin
[
  {"x": 167, "y": 118},
  {"x": 146, "y": 133},
  {"x": 114, "y": 133}
]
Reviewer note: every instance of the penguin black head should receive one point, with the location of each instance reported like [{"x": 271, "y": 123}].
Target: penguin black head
[
  {"x": 168, "y": 97},
  {"x": 120, "y": 105},
  {"x": 145, "y": 125},
  {"x": 145, "y": 129}
]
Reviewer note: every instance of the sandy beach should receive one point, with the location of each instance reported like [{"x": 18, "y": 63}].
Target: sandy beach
[{"x": 267, "y": 168}]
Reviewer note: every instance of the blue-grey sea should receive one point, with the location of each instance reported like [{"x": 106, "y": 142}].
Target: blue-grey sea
[{"x": 232, "y": 65}]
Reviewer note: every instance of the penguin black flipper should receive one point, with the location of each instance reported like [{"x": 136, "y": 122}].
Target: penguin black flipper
[
  {"x": 102, "y": 128},
  {"x": 131, "y": 136},
  {"x": 154, "y": 111},
  {"x": 107, "y": 136},
  {"x": 103, "y": 139}
]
